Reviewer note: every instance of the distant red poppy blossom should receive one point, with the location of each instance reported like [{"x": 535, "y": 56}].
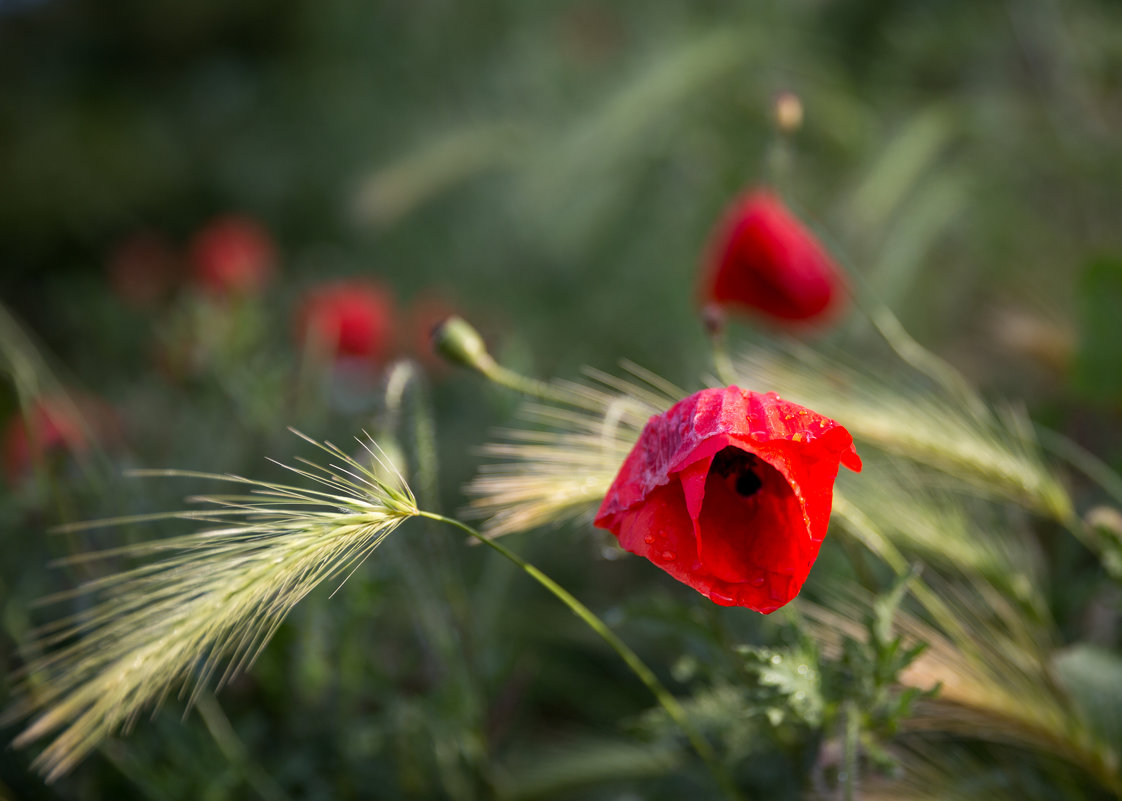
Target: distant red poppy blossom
[
  {"x": 763, "y": 259},
  {"x": 730, "y": 491},
  {"x": 48, "y": 427},
  {"x": 232, "y": 256},
  {"x": 347, "y": 318}
]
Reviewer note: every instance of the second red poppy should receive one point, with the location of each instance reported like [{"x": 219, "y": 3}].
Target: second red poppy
[{"x": 763, "y": 260}]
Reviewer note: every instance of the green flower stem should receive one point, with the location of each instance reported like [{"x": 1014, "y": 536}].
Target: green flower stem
[
  {"x": 504, "y": 377},
  {"x": 713, "y": 318},
  {"x": 1083, "y": 460},
  {"x": 722, "y": 363},
  {"x": 630, "y": 658},
  {"x": 1107, "y": 549}
]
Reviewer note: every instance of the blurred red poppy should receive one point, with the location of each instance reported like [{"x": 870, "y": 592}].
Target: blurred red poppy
[
  {"x": 48, "y": 427},
  {"x": 763, "y": 259},
  {"x": 730, "y": 492},
  {"x": 347, "y": 318},
  {"x": 232, "y": 256}
]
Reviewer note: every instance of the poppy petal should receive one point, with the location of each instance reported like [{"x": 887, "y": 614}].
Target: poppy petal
[
  {"x": 762, "y": 259},
  {"x": 730, "y": 492}
]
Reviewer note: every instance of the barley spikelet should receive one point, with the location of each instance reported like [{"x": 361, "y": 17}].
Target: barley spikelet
[
  {"x": 952, "y": 429},
  {"x": 561, "y": 464},
  {"x": 204, "y": 604}
]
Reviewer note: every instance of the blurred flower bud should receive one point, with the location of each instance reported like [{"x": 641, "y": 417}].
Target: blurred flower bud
[
  {"x": 1105, "y": 518},
  {"x": 458, "y": 342},
  {"x": 788, "y": 112},
  {"x": 232, "y": 256},
  {"x": 347, "y": 318},
  {"x": 713, "y": 319}
]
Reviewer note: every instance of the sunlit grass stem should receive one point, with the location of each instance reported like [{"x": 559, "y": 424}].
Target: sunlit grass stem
[{"x": 668, "y": 702}]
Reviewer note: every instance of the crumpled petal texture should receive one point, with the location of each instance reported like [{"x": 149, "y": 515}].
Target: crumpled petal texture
[
  {"x": 762, "y": 258},
  {"x": 730, "y": 492}
]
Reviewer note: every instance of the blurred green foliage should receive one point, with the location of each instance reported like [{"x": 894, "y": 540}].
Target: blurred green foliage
[{"x": 552, "y": 171}]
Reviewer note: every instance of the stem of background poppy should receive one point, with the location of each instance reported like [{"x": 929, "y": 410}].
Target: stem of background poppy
[
  {"x": 721, "y": 361},
  {"x": 458, "y": 342},
  {"x": 1107, "y": 549},
  {"x": 1082, "y": 460},
  {"x": 504, "y": 377},
  {"x": 630, "y": 658},
  {"x": 713, "y": 318}
]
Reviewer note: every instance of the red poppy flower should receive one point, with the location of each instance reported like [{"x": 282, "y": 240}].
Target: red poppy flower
[
  {"x": 762, "y": 259},
  {"x": 232, "y": 256},
  {"x": 349, "y": 318},
  {"x": 730, "y": 492}
]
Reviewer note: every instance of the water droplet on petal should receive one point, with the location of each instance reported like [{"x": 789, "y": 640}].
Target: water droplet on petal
[
  {"x": 648, "y": 539},
  {"x": 718, "y": 597},
  {"x": 669, "y": 556}
]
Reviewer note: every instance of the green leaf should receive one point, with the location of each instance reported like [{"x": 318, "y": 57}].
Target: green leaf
[{"x": 788, "y": 685}]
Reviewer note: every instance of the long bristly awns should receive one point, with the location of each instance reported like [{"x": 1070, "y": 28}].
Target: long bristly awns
[
  {"x": 204, "y": 604},
  {"x": 993, "y": 450},
  {"x": 563, "y": 462}
]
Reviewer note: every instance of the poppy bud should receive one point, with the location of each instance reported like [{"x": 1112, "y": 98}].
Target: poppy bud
[
  {"x": 232, "y": 256},
  {"x": 730, "y": 492},
  {"x": 788, "y": 112},
  {"x": 763, "y": 260},
  {"x": 457, "y": 341},
  {"x": 349, "y": 318}
]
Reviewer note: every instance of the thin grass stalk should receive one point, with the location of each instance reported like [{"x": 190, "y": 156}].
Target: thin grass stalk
[{"x": 664, "y": 697}]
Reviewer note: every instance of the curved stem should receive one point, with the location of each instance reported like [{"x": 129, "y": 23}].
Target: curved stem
[
  {"x": 630, "y": 658},
  {"x": 1083, "y": 460},
  {"x": 718, "y": 343},
  {"x": 506, "y": 377},
  {"x": 1107, "y": 550}
]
